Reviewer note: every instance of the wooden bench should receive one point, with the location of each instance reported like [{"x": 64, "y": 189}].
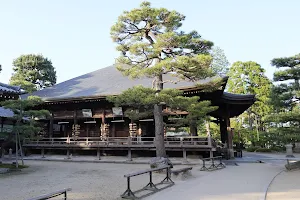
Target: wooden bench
[
  {"x": 183, "y": 170},
  {"x": 53, "y": 194},
  {"x": 150, "y": 186},
  {"x": 213, "y": 166}
]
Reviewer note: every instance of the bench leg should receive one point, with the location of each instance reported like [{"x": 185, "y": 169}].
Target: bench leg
[
  {"x": 167, "y": 179},
  {"x": 65, "y": 195},
  {"x": 204, "y": 168},
  {"x": 213, "y": 166},
  {"x": 150, "y": 185},
  {"x": 128, "y": 193},
  {"x": 221, "y": 165}
]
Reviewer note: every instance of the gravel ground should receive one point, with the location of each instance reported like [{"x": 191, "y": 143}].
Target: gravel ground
[
  {"x": 243, "y": 182},
  {"x": 285, "y": 186},
  {"x": 87, "y": 180}
]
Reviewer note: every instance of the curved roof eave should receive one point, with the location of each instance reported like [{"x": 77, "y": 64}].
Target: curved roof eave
[{"x": 238, "y": 97}]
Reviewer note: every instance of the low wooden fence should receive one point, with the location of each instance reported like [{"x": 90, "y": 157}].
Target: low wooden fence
[{"x": 186, "y": 142}]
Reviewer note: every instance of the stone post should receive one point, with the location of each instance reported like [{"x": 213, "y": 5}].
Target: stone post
[{"x": 289, "y": 151}]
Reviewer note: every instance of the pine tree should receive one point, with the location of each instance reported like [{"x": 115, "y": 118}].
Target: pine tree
[
  {"x": 286, "y": 99},
  {"x": 140, "y": 101},
  {"x": 152, "y": 45},
  {"x": 26, "y": 125},
  {"x": 33, "y": 72}
]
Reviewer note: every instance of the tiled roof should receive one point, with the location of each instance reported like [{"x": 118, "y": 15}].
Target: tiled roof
[
  {"x": 6, "y": 112},
  {"x": 5, "y": 88},
  {"x": 103, "y": 82}
]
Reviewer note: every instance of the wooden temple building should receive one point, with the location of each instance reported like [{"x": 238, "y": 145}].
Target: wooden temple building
[
  {"x": 7, "y": 92},
  {"x": 82, "y": 118}
]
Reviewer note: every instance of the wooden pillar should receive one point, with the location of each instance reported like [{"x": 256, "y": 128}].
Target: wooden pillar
[
  {"x": 43, "y": 153},
  {"x": 98, "y": 154},
  {"x": 65, "y": 130},
  {"x": 129, "y": 157},
  {"x": 223, "y": 130},
  {"x": 51, "y": 125},
  {"x": 229, "y": 139},
  {"x": 113, "y": 131},
  {"x": 211, "y": 154},
  {"x": 2, "y": 122},
  {"x": 75, "y": 117},
  {"x": 87, "y": 130},
  {"x": 184, "y": 155},
  {"x": 68, "y": 154}
]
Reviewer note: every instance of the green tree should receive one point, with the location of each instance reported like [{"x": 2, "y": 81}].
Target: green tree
[
  {"x": 220, "y": 63},
  {"x": 249, "y": 78},
  {"x": 152, "y": 45},
  {"x": 25, "y": 118},
  {"x": 140, "y": 102},
  {"x": 286, "y": 116},
  {"x": 33, "y": 72}
]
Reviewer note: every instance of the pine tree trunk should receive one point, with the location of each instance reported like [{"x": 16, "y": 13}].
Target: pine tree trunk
[
  {"x": 159, "y": 123},
  {"x": 159, "y": 131},
  {"x": 21, "y": 150},
  {"x": 207, "y": 126},
  {"x": 193, "y": 129},
  {"x": 17, "y": 164}
]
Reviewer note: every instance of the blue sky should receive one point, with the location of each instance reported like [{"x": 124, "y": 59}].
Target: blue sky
[{"x": 75, "y": 34}]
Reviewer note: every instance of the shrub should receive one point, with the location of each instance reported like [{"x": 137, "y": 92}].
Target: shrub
[
  {"x": 263, "y": 150},
  {"x": 251, "y": 149},
  {"x": 278, "y": 149}
]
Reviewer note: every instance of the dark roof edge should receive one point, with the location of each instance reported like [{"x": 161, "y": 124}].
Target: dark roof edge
[{"x": 238, "y": 97}]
